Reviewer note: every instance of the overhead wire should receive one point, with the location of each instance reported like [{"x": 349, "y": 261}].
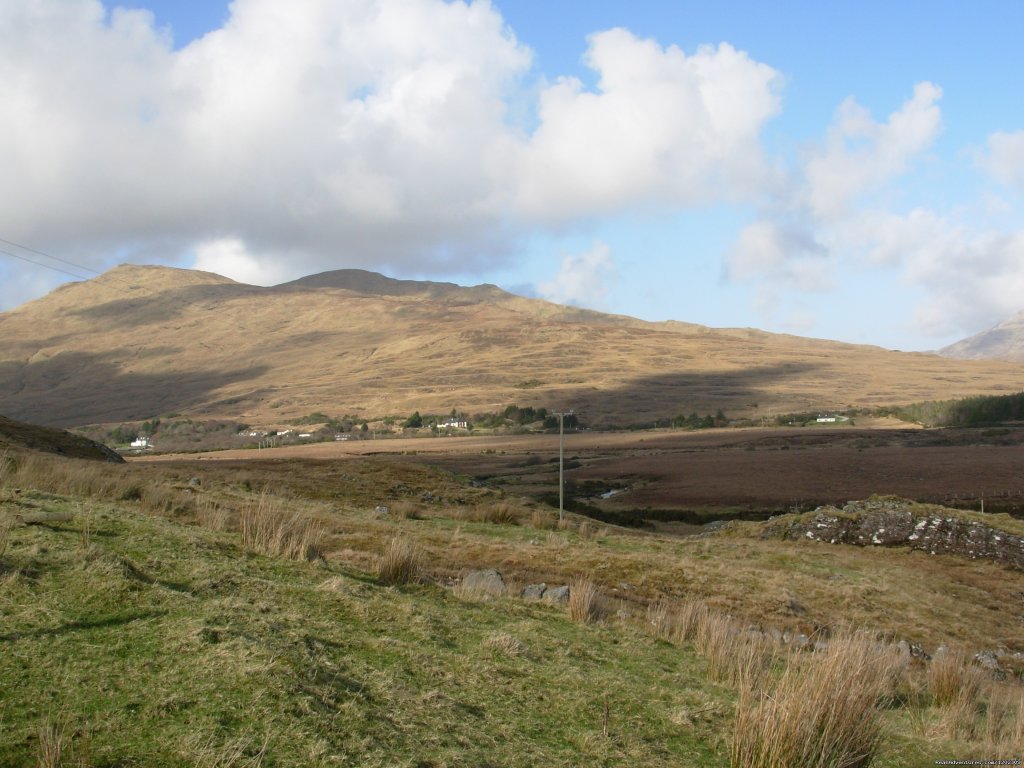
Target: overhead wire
[
  {"x": 45, "y": 255},
  {"x": 40, "y": 264},
  {"x": 77, "y": 266}
]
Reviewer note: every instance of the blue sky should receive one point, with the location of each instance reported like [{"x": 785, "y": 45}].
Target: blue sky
[{"x": 851, "y": 171}]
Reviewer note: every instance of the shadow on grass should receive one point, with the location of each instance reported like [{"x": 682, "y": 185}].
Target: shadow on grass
[{"x": 115, "y": 620}]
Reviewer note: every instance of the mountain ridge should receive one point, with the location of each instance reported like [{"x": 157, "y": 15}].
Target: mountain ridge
[
  {"x": 1003, "y": 341},
  {"x": 143, "y": 341}
]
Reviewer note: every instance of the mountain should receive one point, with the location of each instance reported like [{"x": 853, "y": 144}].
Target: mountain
[
  {"x": 1005, "y": 341},
  {"x": 16, "y": 435},
  {"x": 140, "y": 342}
]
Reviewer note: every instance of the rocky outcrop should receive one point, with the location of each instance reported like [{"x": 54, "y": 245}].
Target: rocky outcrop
[{"x": 897, "y": 523}]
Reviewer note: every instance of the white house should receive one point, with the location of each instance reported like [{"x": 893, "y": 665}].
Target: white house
[
  {"x": 140, "y": 442},
  {"x": 453, "y": 424}
]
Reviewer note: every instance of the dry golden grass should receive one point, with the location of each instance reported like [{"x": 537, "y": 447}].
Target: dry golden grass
[
  {"x": 953, "y": 680},
  {"x": 267, "y": 527},
  {"x": 8, "y": 466},
  {"x": 543, "y": 519},
  {"x": 824, "y": 710},
  {"x": 584, "y": 601},
  {"x": 406, "y": 510},
  {"x": 498, "y": 513},
  {"x": 5, "y": 531},
  {"x": 401, "y": 563},
  {"x": 241, "y": 752},
  {"x": 504, "y": 643},
  {"x": 214, "y": 515},
  {"x": 733, "y": 656},
  {"x": 53, "y": 742}
]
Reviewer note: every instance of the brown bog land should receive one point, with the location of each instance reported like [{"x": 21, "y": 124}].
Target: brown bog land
[{"x": 715, "y": 472}]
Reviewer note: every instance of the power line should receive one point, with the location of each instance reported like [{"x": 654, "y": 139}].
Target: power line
[
  {"x": 40, "y": 264},
  {"x": 46, "y": 255},
  {"x": 81, "y": 267}
]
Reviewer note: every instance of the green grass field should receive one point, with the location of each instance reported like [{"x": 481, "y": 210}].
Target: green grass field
[{"x": 132, "y": 633}]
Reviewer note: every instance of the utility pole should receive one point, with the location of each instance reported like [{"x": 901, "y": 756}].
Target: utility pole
[{"x": 561, "y": 462}]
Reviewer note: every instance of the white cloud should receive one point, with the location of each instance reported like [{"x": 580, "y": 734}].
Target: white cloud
[
  {"x": 972, "y": 279},
  {"x": 827, "y": 228},
  {"x": 1005, "y": 159},
  {"x": 229, "y": 257},
  {"x": 372, "y": 133},
  {"x": 582, "y": 278},
  {"x": 860, "y": 155},
  {"x": 779, "y": 252},
  {"x": 661, "y": 127}
]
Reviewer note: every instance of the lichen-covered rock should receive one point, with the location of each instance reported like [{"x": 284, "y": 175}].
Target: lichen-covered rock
[
  {"x": 535, "y": 591},
  {"x": 487, "y": 582},
  {"x": 894, "y": 523},
  {"x": 557, "y": 594}
]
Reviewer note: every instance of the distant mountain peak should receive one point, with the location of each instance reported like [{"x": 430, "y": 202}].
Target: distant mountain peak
[{"x": 1004, "y": 341}]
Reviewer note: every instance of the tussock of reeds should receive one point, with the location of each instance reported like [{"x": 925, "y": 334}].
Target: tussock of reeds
[
  {"x": 824, "y": 710},
  {"x": 952, "y": 679},
  {"x": 213, "y": 515},
  {"x": 8, "y": 466},
  {"x": 500, "y": 513},
  {"x": 505, "y": 644},
  {"x": 400, "y": 563},
  {"x": 733, "y": 656},
  {"x": 52, "y": 743},
  {"x": 676, "y": 621},
  {"x": 5, "y": 532},
  {"x": 268, "y": 528},
  {"x": 543, "y": 520},
  {"x": 405, "y": 510},
  {"x": 584, "y": 601}
]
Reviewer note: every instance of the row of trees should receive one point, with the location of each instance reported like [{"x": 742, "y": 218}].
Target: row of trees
[{"x": 982, "y": 410}]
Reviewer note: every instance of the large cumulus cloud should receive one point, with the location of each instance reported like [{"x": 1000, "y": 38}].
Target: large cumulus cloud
[{"x": 315, "y": 134}]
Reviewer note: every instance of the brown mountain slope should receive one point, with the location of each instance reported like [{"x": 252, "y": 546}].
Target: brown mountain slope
[
  {"x": 139, "y": 342},
  {"x": 18, "y": 435},
  {"x": 1004, "y": 341}
]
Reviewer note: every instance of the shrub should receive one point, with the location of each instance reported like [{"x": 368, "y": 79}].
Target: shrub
[
  {"x": 400, "y": 563},
  {"x": 267, "y": 528}
]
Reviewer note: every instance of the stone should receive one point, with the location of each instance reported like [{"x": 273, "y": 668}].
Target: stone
[
  {"x": 535, "y": 591},
  {"x": 486, "y": 582},
  {"x": 987, "y": 660},
  {"x": 903, "y": 649},
  {"x": 557, "y": 594}
]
